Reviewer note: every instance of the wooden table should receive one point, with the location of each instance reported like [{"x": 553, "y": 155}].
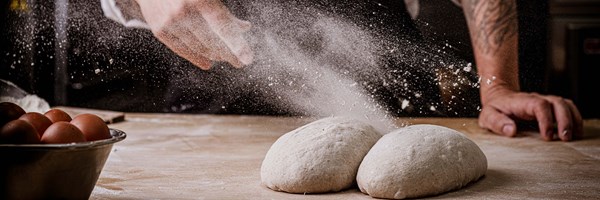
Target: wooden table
[{"x": 176, "y": 156}]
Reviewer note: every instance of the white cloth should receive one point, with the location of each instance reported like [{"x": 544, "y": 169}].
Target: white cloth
[{"x": 125, "y": 12}]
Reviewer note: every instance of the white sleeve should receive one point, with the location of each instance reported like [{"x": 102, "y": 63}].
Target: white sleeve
[{"x": 125, "y": 12}]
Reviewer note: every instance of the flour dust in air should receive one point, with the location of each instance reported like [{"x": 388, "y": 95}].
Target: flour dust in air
[{"x": 314, "y": 65}]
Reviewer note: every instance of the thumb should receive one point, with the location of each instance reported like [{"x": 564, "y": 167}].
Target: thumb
[{"x": 496, "y": 121}]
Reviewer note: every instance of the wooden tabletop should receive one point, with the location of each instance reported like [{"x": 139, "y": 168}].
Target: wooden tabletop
[{"x": 177, "y": 156}]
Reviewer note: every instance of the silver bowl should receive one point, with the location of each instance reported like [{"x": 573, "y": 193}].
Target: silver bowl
[{"x": 53, "y": 171}]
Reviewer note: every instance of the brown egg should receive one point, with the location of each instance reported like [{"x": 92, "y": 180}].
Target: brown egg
[
  {"x": 18, "y": 132},
  {"x": 57, "y": 115},
  {"x": 92, "y": 127},
  {"x": 39, "y": 121},
  {"x": 9, "y": 111},
  {"x": 62, "y": 132}
]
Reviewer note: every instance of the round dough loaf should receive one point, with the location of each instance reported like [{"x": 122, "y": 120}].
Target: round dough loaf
[
  {"x": 420, "y": 160},
  {"x": 322, "y": 156}
]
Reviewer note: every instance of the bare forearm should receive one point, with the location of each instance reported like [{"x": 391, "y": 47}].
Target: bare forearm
[{"x": 494, "y": 34}]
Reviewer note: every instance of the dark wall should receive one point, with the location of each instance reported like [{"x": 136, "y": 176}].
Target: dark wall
[
  {"x": 108, "y": 66},
  {"x": 444, "y": 22},
  {"x": 26, "y": 39},
  {"x": 117, "y": 68}
]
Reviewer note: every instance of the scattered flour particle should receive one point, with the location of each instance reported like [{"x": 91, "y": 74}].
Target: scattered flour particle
[
  {"x": 489, "y": 81},
  {"x": 404, "y": 104},
  {"x": 432, "y": 108},
  {"x": 468, "y": 67},
  {"x": 97, "y": 71}
]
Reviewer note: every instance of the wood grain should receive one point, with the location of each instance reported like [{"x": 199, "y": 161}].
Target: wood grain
[{"x": 177, "y": 156}]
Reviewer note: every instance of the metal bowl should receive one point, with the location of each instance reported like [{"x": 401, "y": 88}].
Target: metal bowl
[{"x": 53, "y": 171}]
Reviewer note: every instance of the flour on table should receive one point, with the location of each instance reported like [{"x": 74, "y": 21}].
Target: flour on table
[
  {"x": 322, "y": 156},
  {"x": 418, "y": 161},
  {"x": 29, "y": 103},
  {"x": 9, "y": 92}
]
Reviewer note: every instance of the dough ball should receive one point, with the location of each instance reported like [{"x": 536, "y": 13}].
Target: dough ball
[
  {"x": 420, "y": 160},
  {"x": 322, "y": 156}
]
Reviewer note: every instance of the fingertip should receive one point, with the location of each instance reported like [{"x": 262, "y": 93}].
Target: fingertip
[
  {"x": 244, "y": 25},
  {"x": 547, "y": 135},
  {"x": 235, "y": 62},
  {"x": 546, "y": 129},
  {"x": 497, "y": 122},
  {"x": 566, "y": 135},
  {"x": 577, "y": 131},
  {"x": 245, "y": 55},
  {"x": 509, "y": 130}
]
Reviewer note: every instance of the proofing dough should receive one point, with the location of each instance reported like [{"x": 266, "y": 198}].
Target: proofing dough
[
  {"x": 322, "y": 156},
  {"x": 420, "y": 160}
]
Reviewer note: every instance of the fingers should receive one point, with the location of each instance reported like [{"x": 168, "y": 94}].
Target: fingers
[
  {"x": 550, "y": 109},
  {"x": 554, "y": 115},
  {"x": 497, "y": 122},
  {"x": 577, "y": 120},
  {"x": 181, "y": 48},
  {"x": 199, "y": 31},
  {"x": 237, "y": 43},
  {"x": 229, "y": 29},
  {"x": 542, "y": 110},
  {"x": 563, "y": 117},
  {"x": 207, "y": 43}
]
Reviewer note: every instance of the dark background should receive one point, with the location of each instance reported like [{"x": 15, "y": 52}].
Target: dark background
[{"x": 111, "y": 67}]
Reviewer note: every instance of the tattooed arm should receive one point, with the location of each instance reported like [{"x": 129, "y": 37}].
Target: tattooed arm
[{"x": 494, "y": 34}]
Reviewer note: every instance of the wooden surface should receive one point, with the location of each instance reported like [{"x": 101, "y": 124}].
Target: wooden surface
[
  {"x": 173, "y": 156},
  {"x": 107, "y": 115}
]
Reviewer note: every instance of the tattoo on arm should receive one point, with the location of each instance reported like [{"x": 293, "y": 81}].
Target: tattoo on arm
[{"x": 492, "y": 22}]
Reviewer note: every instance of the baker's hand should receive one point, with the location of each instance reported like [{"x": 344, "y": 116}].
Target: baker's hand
[
  {"x": 503, "y": 107},
  {"x": 199, "y": 30}
]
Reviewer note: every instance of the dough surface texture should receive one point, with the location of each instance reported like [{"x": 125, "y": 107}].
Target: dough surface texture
[
  {"x": 420, "y": 160},
  {"x": 322, "y": 156}
]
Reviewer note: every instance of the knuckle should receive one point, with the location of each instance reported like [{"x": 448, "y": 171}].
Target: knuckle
[
  {"x": 555, "y": 98},
  {"x": 569, "y": 101},
  {"x": 481, "y": 122},
  {"x": 540, "y": 103},
  {"x": 487, "y": 118}
]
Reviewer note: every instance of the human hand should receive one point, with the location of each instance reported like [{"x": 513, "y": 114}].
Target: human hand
[
  {"x": 503, "y": 107},
  {"x": 199, "y": 30}
]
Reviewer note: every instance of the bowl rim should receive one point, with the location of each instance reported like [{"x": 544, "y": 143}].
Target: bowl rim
[{"x": 117, "y": 135}]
